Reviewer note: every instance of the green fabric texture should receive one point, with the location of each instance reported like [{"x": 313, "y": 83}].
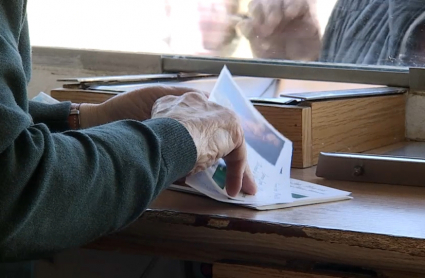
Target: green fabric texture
[
  {"x": 60, "y": 188},
  {"x": 54, "y": 116}
]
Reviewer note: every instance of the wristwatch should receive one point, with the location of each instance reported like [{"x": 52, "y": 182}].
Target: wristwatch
[{"x": 74, "y": 116}]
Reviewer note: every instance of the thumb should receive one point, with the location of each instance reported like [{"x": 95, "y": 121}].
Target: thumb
[
  {"x": 238, "y": 175},
  {"x": 246, "y": 27},
  {"x": 248, "y": 182}
]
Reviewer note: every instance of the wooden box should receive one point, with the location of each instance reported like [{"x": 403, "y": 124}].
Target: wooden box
[
  {"x": 355, "y": 124},
  {"x": 347, "y": 124}
]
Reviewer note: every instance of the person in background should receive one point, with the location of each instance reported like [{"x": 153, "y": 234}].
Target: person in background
[
  {"x": 71, "y": 173},
  {"x": 210, "y": 26},
  {"x": 373, "y": 32},
  {"x": 282, "y": 29}
]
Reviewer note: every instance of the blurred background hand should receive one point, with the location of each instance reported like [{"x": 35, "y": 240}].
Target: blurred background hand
[
  {"x": 283, "y": 29},
  {"x": 217, "y": 23}
]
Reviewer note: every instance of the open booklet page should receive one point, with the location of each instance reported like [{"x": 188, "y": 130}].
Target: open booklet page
[
  {"x": 302, "y": 192},
  {"x": 305, "y": 193},
  {"x": 269, "y": 153}
]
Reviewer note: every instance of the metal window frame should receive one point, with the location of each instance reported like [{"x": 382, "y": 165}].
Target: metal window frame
[
  {"x": 376, "y": 75},
  {"x": 141, "y": 63}
]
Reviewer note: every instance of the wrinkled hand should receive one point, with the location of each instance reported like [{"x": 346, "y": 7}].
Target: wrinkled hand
[
  {"x": 134, "y": 105},
  {"x": 216, "y": 132},
  {"x": 283, "y": 29}
]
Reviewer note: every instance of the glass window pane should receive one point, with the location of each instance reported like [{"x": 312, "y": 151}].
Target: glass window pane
[{"x": 361, "y": 32}]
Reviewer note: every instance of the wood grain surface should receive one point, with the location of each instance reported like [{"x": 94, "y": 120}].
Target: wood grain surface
[
  {"x": 357, "y": 125},
  {"x": 223, "y": 270},
  {"x": 381, "y": 230},
  {"x": 295, "y": 123},
  {"x": 81, "y": 96}
]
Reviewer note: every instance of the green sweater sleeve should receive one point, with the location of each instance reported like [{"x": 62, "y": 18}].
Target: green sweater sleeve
[
  {"x": 64, "y": 189},
  {"x": 54, "y": 116}
]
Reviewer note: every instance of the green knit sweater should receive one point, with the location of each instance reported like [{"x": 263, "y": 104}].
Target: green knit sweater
[{"x": 59, "y": 188}]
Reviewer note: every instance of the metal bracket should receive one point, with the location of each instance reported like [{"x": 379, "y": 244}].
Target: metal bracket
[{"x": 417, "y": 79}]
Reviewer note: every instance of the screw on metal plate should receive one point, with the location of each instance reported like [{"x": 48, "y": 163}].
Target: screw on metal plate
[{"x": 358, "y": 171}]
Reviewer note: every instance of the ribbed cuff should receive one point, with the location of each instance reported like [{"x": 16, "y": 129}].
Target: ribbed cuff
[
  {"x": 177, "y": 147},
  {"x": 55, "y": 116}
]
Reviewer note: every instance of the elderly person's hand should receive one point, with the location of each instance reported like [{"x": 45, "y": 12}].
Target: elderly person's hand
[
  {"x": 217, "y": 134},
  {"x": 283, "y": 29},
  {"x": 134, "y": 105}
]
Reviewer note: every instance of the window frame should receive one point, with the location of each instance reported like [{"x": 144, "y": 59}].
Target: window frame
[{"x": 117, "y": 63}]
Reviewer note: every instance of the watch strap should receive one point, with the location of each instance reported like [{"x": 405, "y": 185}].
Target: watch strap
[{"x": 74, "y": 116}]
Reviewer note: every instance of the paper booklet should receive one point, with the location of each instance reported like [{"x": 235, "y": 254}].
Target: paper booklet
[{"x": 269, "y": 157}]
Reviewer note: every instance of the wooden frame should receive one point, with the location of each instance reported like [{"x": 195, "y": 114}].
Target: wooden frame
[{"x": 341, "y": 125}]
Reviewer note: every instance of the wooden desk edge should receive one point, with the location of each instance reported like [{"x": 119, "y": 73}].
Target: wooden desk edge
[{"x": 212, "y": 238}]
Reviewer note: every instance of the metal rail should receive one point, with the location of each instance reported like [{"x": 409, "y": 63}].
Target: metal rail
[{"x": 377, "y": 75}]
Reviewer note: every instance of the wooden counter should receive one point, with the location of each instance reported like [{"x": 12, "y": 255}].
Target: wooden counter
[{"x": 380, "y": 233}]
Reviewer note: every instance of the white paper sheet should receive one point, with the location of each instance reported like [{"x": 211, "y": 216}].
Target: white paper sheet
[
  {"x": 269, "y": 152},
  {"x": 303, "y": 193}
]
